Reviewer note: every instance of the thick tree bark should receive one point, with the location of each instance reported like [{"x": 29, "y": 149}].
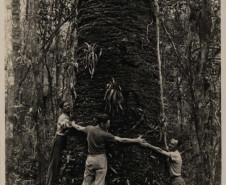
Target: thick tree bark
[
  {"x": 129, "y": 56},
  {"x": 129, "y": 62}
]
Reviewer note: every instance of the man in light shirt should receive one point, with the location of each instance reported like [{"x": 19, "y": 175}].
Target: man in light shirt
[
  {"x": 97, "y": 136},
  {"x": 59, "y": 142},
  {"x": 175, "y": 160}
]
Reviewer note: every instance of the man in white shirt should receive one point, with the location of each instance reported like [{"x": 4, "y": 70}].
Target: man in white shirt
[
  {"x": 59, "y": 142},
  {"x": 175, "y": 160}
]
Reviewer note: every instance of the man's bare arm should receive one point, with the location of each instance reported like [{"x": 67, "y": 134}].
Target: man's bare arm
[
  {"x": 129, "y": 140},
  {"x": 78, "y": 127},
  {"x": 154, "y": 148}
]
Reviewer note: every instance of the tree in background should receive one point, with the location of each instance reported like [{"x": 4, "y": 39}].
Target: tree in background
[
  {"x": 193, "y": 50},
  {"x": 40, "y": 27}
]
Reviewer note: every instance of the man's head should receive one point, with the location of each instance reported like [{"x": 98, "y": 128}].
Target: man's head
[
  {"x": 173, "y": 144},
  {"x": 65, "y": 106},
  {"x": 103, "y": 121}
]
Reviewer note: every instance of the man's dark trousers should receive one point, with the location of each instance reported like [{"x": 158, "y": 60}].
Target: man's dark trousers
[{"x": 59, "y": 144}]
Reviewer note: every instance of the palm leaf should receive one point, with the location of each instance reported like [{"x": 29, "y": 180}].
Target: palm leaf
[
  {"x": 110, "y": 95},
  {"x": 113, "y": 80},
  {"x": 120, "y": 106},
  {"x": 114, "y": 99},
  {"x": 100, "y": 53},
  {"x": 92, "y": 72},
  {"x": 106, "y": 93}
]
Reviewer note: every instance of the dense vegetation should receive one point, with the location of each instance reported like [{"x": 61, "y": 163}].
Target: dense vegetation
[{"x": 154, "y": 67}]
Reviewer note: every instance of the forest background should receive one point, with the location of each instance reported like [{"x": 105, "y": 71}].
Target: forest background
[{"x": 173, "y": 114}]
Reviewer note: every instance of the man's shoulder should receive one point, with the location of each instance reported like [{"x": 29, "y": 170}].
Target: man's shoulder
[
  {"x": 63, "y": 115},
  {"x": 90, "y": 127},
  {"x": 175, "y": 155}
]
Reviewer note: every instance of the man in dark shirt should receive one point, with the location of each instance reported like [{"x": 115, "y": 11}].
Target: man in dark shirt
[
  {"x": 59, "y": 142},
  {"x": 96, "y": 162}
]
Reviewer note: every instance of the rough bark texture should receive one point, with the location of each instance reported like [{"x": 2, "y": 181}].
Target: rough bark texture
[
  {"x": 9, "y": 71},
  {"x": 16, "y": 33},
  {"x": 120, "y": 29},
  {"x": 131, "y": 63},
  {"x": 11, "y": 79}
]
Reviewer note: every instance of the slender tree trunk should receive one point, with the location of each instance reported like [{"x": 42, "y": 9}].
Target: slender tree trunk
[
  {"x": 163, "y": 116},
  {"x": 202, "y": 117},
  {"x": 180, "y": 103},
  {"x": 159, "y": 59},
  {"x": 37, "y": 67},
  {"x": 194, "y": 108},
  {"x": 9, "y": 75},
  {"x": 12, "y": 66},
  {"x": 12, "y": 29},
  {"x": 196, "y": 83}
]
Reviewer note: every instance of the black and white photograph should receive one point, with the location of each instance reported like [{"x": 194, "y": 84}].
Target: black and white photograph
[{"x": 112, "y": 92}]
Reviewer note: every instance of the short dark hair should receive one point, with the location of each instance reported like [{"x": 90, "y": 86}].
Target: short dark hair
[
  {"x": 61, "y": 105},
  {"x": 102, "y": 118}
]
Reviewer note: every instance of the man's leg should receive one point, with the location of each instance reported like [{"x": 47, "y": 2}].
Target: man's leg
[
  {"x": 100, "y": 176},
  {"x": 178, "y": 181},
  {"x": 101, "y": 170},
  {"x": 54, "y": 159},
  {"x": 89, "y": 173}
]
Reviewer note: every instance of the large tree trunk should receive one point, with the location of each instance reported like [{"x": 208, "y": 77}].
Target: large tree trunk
[
  {"x": 129, "y": 56},
  {"x": 132, "y": 63}
]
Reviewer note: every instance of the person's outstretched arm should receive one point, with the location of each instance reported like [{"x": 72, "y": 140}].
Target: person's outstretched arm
[
  {"x": 129, "y": 140},
  {"x": 78, "y": 127},
  {"x": 154, "y": 148}
]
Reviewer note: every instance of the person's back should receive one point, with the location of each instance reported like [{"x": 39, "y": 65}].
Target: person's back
[
  {"x": 96, "y": 162},
  {"x": 96, "y": 138}
]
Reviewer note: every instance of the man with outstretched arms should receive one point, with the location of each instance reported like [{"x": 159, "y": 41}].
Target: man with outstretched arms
[
  {"x": 96, "y": 162},
  {"x": 174, "y": 159}
]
